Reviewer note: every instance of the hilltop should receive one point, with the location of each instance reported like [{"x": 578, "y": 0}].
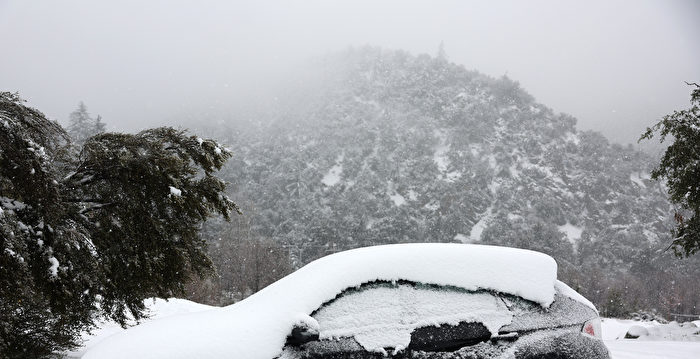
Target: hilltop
[{"x": 387, "y": 147}]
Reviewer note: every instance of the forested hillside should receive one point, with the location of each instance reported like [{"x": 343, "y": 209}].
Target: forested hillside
[{"x": 386, "y": 147}]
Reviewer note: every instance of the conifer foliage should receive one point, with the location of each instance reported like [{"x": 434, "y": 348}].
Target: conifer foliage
[
  {"x": 82, "y": 126},
  {"x": 92, "y": 234},
  {"x": 680, "y": 166}
]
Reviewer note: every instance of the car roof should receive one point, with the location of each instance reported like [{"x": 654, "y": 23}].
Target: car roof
[{"x": 524, "y": 273}]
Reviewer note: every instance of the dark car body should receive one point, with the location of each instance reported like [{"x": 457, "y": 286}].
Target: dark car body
[{"x": 555, "y": 332}]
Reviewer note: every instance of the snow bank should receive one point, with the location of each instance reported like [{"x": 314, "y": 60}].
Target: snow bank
[
  {"x": 617, "y": 328},
  {"x": 668, "y": 341},
  {"x": 258, "y": 326},
  {"x": 157, "y": 308}
]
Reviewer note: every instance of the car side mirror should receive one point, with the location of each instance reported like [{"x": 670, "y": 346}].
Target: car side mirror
[{"x": 302, "y": 334}]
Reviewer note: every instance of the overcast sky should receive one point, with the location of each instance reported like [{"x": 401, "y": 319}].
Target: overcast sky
[{"x": 618, "y": 66}]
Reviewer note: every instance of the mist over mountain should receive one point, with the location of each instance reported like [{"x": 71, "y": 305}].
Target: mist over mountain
[{"x": 385, "y": 147}]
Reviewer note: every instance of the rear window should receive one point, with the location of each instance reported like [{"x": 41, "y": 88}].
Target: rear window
[{"x": 382, "y": 316}]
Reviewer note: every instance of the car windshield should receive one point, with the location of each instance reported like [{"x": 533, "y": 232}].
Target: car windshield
[{"x": 384, "y": 315}]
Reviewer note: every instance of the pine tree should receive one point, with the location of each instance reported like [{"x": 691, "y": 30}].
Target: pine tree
[
  {"x": 92, "y": 235},
  {"x": 82, "y": 126},
  {"x": 441, "y": 53},
  {"x": 680, "y": 166}
]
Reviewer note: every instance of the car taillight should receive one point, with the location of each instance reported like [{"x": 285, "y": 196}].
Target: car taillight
[{"x": 592, "y": 328}]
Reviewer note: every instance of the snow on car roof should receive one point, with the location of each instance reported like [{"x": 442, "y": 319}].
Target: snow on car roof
[{"x": 256, "y": 328}]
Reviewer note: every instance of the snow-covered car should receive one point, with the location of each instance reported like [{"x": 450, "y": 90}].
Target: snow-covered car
[{"x": 401, "y": 301}]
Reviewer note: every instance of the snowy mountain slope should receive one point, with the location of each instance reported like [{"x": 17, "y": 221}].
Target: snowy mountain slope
[{"x": 386, "y": 147}]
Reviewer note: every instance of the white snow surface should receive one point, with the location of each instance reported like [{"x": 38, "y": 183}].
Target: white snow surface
[
  {"x": 635, "y": 349},
  {"x": 666, "y": 341},
  {"x": 412, "y": 195},
  {"x": 256, "y": 328},
  {"x": 572, "y": 137},
  {"x": 398, "y": 199},
  {"x": 175, "y": 191},
  {"x": 53, "y": 269},
  {"x": 650, "y": 331},
  {"x": 459, "y": 237},
  {"x": 573, "y": 233},
  {"x": 480, "y": 226},
  {"x": 638, "y": 178},
  {"x": 440, "y": 155},
  {"x": 619, "y": 348},
  {"x": 333, "y": 176},
  {"x": 156, "y": 308},
  {"x": 395, "y": 197}
]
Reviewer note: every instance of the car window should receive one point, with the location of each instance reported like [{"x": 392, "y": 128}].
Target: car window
[
  {"x": 384, "y": 315},
  {"x": 520, "y": 306},
  {"x": 528, "y": 315}
]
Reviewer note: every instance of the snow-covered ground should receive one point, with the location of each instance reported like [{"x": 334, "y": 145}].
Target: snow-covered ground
[
  {"x": 660, "y": 347},
  {"x": 659, "y": 341},
  {"x": 653, "y": 330},
  {"x": 631, "y": 349},
  {"x": 157, "y": 308}
]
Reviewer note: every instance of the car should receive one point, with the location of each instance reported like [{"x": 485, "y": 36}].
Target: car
[{"x": 428, "y": 300}]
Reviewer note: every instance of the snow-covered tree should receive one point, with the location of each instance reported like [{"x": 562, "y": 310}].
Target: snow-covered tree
[
  {"x": 92, "y": 235},
  {"x": 82, "y": 126},
  {"x": 680, "y": 166},
  {"x": 441, "y": 53}
]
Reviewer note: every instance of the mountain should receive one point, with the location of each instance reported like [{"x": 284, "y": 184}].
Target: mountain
[{"x": 385, "y": 147}]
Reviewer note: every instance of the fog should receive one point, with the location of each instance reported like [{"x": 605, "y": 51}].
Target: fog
[{"x": 618, "y": 66}]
